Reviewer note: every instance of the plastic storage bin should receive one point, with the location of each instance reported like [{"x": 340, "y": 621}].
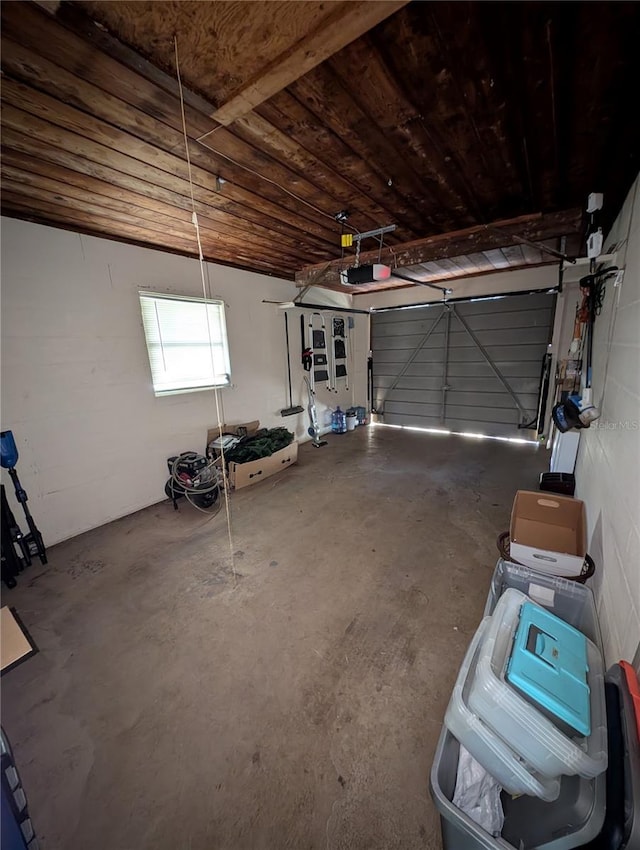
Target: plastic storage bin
[
  {"x": 572, "y": 602},
  {"x": 483, "y": 743},
  {"x": 621, "y": 830},
  {"x": 574, "y": 819},
  {"x": 545, "y": 748}
]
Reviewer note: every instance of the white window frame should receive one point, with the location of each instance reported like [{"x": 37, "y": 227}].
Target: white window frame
[{"x": 205, "y": 377}]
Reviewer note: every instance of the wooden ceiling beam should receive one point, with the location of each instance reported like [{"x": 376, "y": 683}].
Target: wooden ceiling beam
[
  {"x": 442, "y": 280},
  {"x": 125, "y": 210},
  {"x": 534, "y": 228},
  {"x": 31, "y": 171},
  {"x": 60, "y": 212},
  {"x": 240, "y": 185},
  {"x": 53, "y": 211},
  {"x": 347, "y": 22},
  {"x": 140, "y": 170},
  {"x": 99, "y": 39},
  {"x": 53, "y": 59},
  {"x": 335, "y": 105},
  {"x": 302, "y": 125},
  {"x": 54, "y": 152},
  {"x": 41, "y": 52},
  {"x": 84, "y": 228},
  {"x": 98, "y": 58},
  {"x": 364, "y": 206},
  {"x": 449, "y": 147},
  {"x": 44, "y": 200},
  {"x": 417, "y": 140}
]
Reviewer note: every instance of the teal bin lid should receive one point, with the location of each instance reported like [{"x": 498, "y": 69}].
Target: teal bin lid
[{"x": 548, "y": 665}]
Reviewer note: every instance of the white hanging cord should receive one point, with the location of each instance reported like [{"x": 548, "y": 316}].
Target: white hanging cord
[{"x": 205, "y": 294}]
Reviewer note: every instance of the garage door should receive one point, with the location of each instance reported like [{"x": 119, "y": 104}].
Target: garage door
[{"x": 466, "y": 366}]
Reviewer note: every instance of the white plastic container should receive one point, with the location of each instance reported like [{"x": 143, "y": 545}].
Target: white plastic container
[
  {"x": 483, "y": 743},
  {"x": 564, "y": 451},
  {"x": 572, "y": 602},
  {"x": 352, "y": 421},
  {"x": 542, "y": 745}
]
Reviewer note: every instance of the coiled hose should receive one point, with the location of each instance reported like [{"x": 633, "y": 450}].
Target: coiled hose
[{"x": 200, "y": 490}]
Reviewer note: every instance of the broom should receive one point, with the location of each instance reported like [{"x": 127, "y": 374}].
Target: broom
[{"x": 293, "y": 409}]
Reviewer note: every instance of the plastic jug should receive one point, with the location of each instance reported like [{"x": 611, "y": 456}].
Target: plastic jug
[{"x": 338, "y": 421}]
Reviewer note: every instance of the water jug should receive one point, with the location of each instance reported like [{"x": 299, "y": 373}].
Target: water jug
[{"x": 338, "y": 421}]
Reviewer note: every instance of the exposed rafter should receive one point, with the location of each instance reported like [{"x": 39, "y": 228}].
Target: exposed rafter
[
  {"x": 346, "y": 23},
  {"x": 429, "y": 120},
  {"x": 531, "y": 228}
]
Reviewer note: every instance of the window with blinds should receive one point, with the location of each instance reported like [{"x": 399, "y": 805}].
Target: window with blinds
[{"x": 187, "y": 343}]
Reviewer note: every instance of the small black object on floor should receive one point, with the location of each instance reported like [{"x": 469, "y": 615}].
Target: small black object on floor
[{"x": 563, "y": 483}]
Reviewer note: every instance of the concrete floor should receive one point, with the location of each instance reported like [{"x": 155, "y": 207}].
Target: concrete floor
[{"x": 293, "y": 704}]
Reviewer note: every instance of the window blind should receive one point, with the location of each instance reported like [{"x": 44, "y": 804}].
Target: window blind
[{"x": 187, "y": 343}]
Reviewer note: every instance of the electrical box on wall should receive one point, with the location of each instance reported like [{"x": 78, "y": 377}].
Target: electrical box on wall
[{"x": 594, "y": 202}]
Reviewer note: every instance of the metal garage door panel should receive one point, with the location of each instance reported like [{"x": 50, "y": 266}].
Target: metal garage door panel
[
  {"x": 498, "y": 353},
  {"x": 461, "y": 339},
  {"x": 409, "y": 383},
  {"x": 469, "y": 399},
  {"x": 489, "y": 359},
  {"x": 520, "y": 386},
  {"x": 484, "y": 321},
  {"x": 418, "y": 396},
  {"x": 463, "y": 384},
  {"x": 399, "y": 356},
  {"x": 515, "y": 369},
  {"x": 490, "y": 399},
  {"x": 460, "y": 370}
]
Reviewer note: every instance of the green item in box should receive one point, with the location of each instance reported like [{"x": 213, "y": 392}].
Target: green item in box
[{"x": 266, "y": 442}]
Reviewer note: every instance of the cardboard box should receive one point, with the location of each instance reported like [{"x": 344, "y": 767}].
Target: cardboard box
[
  {"x": 16, "y": 645},
  {"x": 243, "y": 474},
  {"x": 548, "y": 532}
]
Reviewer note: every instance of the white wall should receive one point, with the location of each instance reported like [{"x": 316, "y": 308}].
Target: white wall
[
  {"x": 608, "y": 467},
  {"x": 76, "y": 385}
]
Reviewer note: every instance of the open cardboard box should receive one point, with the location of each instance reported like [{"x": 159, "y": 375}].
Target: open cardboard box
[
  {"x": 548, "y": 532},
  {"x": 244, "y": 474}
]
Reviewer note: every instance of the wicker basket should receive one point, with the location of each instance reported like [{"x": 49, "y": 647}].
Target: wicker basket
[{"x": 504, "y": 546}]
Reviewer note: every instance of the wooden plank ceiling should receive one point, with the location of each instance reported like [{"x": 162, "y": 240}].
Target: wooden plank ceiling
[{"x": 437, "y": 117}]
